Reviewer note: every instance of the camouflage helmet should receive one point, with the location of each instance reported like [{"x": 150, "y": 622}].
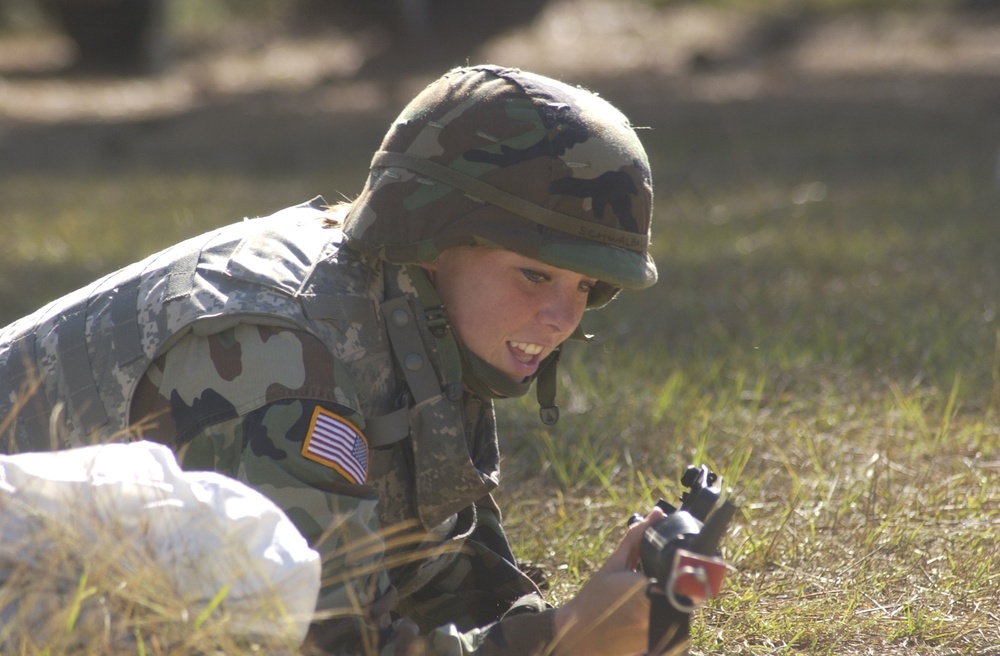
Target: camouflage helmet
[{"x": 505, "y": 158}]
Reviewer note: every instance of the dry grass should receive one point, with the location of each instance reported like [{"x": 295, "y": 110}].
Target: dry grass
[
  {"x": 868, "y": 521},
  {"x": 824, "y": 334}
]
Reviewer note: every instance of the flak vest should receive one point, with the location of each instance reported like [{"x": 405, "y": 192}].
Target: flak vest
[{"x": 68, "y": 371}]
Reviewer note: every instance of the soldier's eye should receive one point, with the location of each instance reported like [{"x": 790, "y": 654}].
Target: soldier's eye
[{"x": 534, "y": 276}]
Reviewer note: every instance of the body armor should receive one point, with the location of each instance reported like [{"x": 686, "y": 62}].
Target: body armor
[{"x": 87, "y": 351}]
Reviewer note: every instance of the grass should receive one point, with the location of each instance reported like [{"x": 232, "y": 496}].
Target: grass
[{"x": 824, "y": 335}]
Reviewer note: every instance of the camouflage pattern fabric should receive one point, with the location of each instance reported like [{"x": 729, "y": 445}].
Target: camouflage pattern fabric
[
  {"x": 374, "y": 554},
  {"x": 87, "y": 350},
  {"x": 412, "y": 563},
  {"x": 502, "y": 157}
]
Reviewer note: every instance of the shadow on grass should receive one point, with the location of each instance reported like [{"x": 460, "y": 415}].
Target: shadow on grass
[{"x": 853, "y": 216}]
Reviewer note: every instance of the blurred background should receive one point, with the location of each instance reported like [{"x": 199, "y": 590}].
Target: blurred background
[{"x": 826, "y": 170}]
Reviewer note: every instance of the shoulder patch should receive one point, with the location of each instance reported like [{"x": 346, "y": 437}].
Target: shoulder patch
[{"x": 336, "y": 443}]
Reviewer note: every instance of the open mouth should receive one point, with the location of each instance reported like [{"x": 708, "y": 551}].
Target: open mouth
[{"x": 525, "y": 352}]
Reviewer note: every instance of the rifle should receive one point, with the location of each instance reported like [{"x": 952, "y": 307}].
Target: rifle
[{"x": 680, "y": 554}]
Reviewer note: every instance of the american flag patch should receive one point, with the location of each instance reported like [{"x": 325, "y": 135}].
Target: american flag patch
[{"x": 335, "y": 442}]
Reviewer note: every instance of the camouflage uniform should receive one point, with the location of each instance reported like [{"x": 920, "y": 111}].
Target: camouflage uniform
[{"x": 247, "y": 348}]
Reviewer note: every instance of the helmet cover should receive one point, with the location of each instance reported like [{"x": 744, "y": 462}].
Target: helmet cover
[{"x": 504, "y": 158}]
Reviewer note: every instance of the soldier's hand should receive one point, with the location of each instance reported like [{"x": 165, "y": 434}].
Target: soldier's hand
[{"x": 610, "y": 614}]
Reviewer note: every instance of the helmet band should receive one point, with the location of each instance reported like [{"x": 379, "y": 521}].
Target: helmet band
[{"x": 526, "y": 209}]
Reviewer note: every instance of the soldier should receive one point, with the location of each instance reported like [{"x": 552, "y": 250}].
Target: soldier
[{"x": 344, "y": 361}]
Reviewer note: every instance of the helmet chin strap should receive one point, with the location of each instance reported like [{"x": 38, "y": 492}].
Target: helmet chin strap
[
  {"x": 489, "y": 382},
  {"x": 545, "y": 389},
  {"x": 477, "y": 374}
]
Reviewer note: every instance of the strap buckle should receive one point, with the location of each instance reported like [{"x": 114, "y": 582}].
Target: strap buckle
[{"x": 437, "y": 320}]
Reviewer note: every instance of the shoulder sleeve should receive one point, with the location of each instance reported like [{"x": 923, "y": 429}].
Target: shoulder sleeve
[
  {"x": 269, "y": 407},
  {"x": 203, "y": 380},
  {"x": 357, "y": 603}
]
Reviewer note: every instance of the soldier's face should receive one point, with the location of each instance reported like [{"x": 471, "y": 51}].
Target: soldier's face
[{"x": 510, "y": 310}]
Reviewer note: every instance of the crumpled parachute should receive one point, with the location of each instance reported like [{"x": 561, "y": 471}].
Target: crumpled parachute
[{"x": 114, "y": 543}]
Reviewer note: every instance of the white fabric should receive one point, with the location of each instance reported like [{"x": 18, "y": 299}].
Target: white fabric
[{"x": 203, "y": 530}]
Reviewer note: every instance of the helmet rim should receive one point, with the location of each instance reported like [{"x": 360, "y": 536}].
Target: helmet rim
[{"x": 435, "y": 184}]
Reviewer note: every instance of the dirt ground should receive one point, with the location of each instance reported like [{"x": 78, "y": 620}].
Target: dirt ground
[{"x": 247, "y": 92}]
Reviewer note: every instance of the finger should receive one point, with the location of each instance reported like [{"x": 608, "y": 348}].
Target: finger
[
  {"x": 633, "y": 538},
  {"x": 626, "y": 555},
  {"x": 638, "y": 527}
]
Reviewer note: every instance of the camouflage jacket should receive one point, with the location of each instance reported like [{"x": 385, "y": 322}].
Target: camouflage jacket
[{"x": 267, "y": 351}]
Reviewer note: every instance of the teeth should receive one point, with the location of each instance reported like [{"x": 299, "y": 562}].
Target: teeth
[{"x": 530, "y": 349}]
